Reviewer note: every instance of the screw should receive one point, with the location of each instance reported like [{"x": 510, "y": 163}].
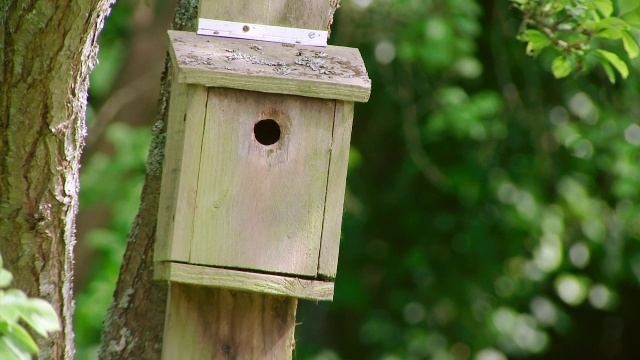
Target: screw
[
  {"x": 216, "y": 204},
  {"x": 245, "y": 28},
  {"x": 312, "y": 35}
]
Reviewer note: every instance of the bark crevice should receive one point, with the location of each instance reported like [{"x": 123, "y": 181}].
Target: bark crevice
[{"x": 49, "y": 50}]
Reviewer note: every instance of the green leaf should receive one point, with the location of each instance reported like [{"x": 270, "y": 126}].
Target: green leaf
[
  {"x": 9, "y": 314},
  {"x": 630, "y": 45},
  {"x": 617, "y": 63},
  {"x": 632, "y": 18},
  {"x": 536, "y": 41},
  {"x": 609, "y": 28},
  {"x": 605, "y": 7},
  {"x": 561, "y": 67},
  {"x": 626, "y": 6},
  {"x": 9, "y": 351},
  {"x": 1, "y": 262},
  {"x": 40, "y": 316},
  {"x": 5, "y": 278},
  {"x": 608, "y": 70},
  {"x": 19, "y": 337},
  {"x": 10, "y": 302},
  {"x": 12, "y": 296},
  {"x": 609, "y": 33}
]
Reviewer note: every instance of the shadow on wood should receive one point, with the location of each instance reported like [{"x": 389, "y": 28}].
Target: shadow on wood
[{"x": 210, "y": 323}]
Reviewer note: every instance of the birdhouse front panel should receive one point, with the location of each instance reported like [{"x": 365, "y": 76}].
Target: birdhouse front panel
[{"x": 262, "y": 181}]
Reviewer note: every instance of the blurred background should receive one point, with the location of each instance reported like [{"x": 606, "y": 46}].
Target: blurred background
[{"x": 492, "y": 211}]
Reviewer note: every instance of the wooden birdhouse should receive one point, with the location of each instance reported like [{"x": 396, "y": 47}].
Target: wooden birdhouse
[{"x": 256, "y": 163}]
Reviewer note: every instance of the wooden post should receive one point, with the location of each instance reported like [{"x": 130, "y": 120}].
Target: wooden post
[{"x": 212, "y": 323}]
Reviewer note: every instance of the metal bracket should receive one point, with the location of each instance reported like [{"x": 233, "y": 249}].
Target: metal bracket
[{"x": 262, "y": 32}]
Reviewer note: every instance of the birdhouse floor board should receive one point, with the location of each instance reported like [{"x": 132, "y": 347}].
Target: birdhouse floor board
[
  {"x": 333, "y": 72},
  {"x": 242, "y": 280}
]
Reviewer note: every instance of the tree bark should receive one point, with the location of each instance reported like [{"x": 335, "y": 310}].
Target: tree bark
[
  {"x": 134, "y": 324},
  {"x": 47, "y": 50}
]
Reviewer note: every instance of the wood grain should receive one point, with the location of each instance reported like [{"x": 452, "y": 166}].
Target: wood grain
[
  {"x": 170, "y": 173},
  {"x": 180, "y": 175},
  {"x": 333, "y": 72},
  {"x": 306, "y": 14},
  {"x": 336, "y": 184},
  {"x": 261, "y": 207},
  {"x": 209, "y": 323},
  {"x": 245, "y": 281}
]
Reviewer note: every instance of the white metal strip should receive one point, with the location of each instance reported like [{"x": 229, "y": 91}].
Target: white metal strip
[{"x": 262, "y": 32}]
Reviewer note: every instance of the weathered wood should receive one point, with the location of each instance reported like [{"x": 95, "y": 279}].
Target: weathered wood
[
  {"x": 261, "y": 207},
  {"x": 170, "y": 174},
  {"x": 306, "y": 14},
  {"x": 328, "y": 260},
  {"x": 214, "y": 323},
  {"x": 209, "y": 323},
  {"x": 179, "y": 180},
  {"x": 333, "y": 72},
  {"x": 243, "y": 280}
]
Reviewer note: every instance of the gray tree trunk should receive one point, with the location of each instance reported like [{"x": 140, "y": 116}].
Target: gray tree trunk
[{"x": 47, "y": 50}]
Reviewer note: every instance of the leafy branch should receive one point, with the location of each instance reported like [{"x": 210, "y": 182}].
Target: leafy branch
[
  {"x": 572, "y": 28},
  {"x": 15, "y": 307}
]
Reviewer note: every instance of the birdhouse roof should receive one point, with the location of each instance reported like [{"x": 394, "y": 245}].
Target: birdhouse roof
[{"x": 332, "y": 72}]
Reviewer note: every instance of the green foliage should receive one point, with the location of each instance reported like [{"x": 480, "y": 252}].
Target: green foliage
[
  {"x": 489, "y": 216},
  {"x": 576, "y": 28},
  {"x": 111, "y": 182},
  {"x": 102, "y": 182},
  {"x": 16, "y": 307},
  {"x": 491, "y": 211},
  {"x": 113, "y": 51}
]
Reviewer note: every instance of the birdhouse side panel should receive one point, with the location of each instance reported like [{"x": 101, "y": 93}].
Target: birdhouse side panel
[
  {"x": 179, "y": 179},
  {"x": 262, "y": 183},
  {"x": 170, "y": 171},
  {"x": 329, "y": 248}
]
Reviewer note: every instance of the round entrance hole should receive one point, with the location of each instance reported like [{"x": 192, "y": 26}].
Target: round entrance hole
[{"x": 267, "y": 131}]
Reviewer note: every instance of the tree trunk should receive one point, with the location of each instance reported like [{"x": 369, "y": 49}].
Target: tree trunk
[
  {"x": 134, "y": 325},
  {"x": 47, "y": 50}
]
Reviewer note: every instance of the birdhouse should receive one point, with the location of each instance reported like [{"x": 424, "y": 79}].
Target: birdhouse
[{"x": 256, "y": 163}]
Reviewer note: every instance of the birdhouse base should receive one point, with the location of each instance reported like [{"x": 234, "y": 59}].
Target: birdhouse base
[{"x": 244, "y": 281}]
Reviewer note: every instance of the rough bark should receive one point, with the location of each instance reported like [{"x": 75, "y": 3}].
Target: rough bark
[
  {"x": 134, "y": 325},
  {"x": 135, "y": 321},
  {"x": 47, "y": 50}
]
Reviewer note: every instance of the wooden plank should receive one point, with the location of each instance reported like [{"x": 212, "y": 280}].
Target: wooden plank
[
  {"x": 305, "y": 14},
  {"x": 180, "y": 174},
  {"x": 186, "y": 204},
  {"x": 333, "y": 72},
  {"x": 329, "y": 248},
  {"x": 208, "y": 323},
  {"x": 171, "y": 173},
  {"x": 244, "y": 281},
  {"x": 261, "y": 207}
]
